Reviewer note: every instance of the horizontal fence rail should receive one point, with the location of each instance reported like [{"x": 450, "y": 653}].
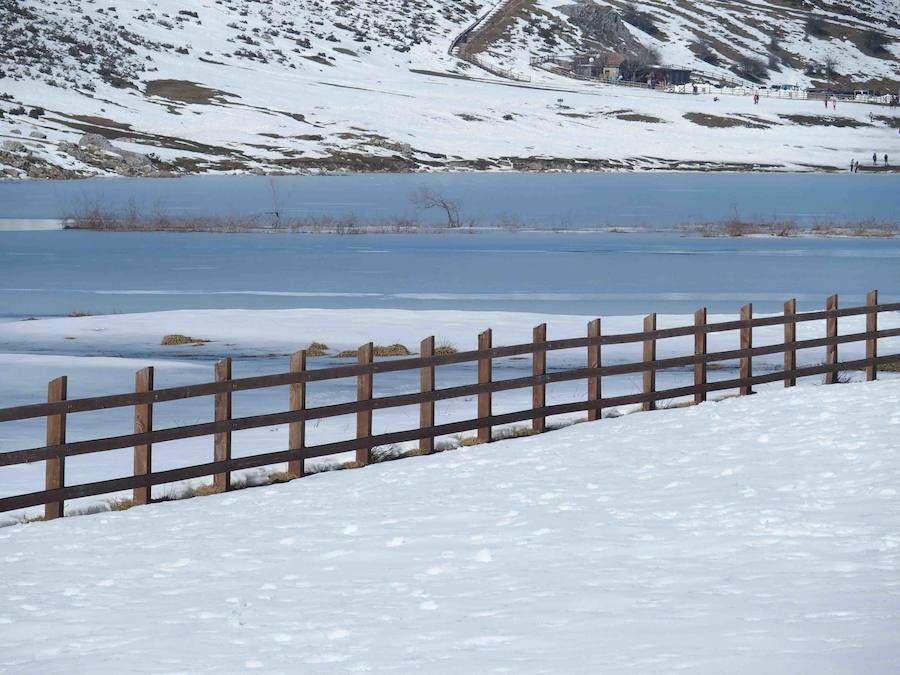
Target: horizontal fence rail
[{"x": 57, "y": 408}]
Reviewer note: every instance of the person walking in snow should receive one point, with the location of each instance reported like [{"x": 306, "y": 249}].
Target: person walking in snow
[
  {"x": 875, "y": 158},
  {"x": 885, "y": 160}
]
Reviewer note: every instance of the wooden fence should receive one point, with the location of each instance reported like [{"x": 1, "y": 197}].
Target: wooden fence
[{"x": 58, "y": 407}]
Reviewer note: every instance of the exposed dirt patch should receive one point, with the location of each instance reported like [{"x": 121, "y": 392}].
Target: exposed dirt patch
[
  {"x": 892, "y": 122},
  {"x": 823, "y": 121},
  {"x": 717, "y": 122},
  {"x": 184, "y": 91},
  {"x": 637, "y": 117}
]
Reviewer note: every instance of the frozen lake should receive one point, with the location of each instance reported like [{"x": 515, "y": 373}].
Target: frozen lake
[
  {"x": 57, "y": 272},
  {"x": 537, "y": 199}
]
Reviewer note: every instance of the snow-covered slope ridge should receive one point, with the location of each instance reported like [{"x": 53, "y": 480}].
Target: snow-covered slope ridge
[
  {"x": 754, "y": 535},
  {"x": 307, "y": 85}
]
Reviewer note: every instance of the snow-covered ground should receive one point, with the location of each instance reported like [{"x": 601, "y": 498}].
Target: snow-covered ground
[
  {"x": 100, "y": 354},
  {"x": 753, "y": 535},
  {"x": 298, "y": 86}
]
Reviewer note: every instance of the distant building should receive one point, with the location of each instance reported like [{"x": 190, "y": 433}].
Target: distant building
[
  {"x": 612, "y": 66},
  {"x": 662, "y": 76},
  {"x": 598, "y": 65}
]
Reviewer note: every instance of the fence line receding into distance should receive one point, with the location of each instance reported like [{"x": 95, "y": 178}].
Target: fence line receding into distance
[{"x": 297, "y": 414}]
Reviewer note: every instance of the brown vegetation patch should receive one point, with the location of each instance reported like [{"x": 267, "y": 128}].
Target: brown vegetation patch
[
  {"x": 637, "y": 117},
  {"x": 718, "y": 122},
  {"x": 444, "y": 349},
  {"x": 185, "y": 91},
  {"x": 823, "y": 121},
  {"x": 178, "y": 339}
]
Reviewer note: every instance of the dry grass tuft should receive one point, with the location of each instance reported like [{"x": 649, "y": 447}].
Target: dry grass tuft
[
  {"x": 395, "y": 349},
  {"x": 178, "y": 339},
  {"x": 347, "y": 354},
  {"x": 76, "y": 314},
  {"x": 445, "y": 348},
  {"x": 317, "y": 349},
  {"x": 121, "y": 504},
  {"x": 203, "y": 490},
  {"x": 30, "y": 318},
  {"x": 280, "y": 477}
]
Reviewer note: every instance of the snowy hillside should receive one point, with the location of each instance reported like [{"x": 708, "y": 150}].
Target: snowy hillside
[
  {"x": 304, "y": 85},
  {"x": 754, "y": 535}
]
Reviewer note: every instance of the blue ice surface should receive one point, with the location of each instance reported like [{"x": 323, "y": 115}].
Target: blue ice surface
[{"x": 537, "y": 199}]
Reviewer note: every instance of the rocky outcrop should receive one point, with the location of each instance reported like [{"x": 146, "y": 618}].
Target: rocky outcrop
[
  {"x": 99, "y": 152},
  {"x": 603, "y": 25}
]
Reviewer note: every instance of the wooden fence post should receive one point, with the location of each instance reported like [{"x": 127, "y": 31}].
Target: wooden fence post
[
  {"x": 143, "y": 423},
  {"x": 595, "y": 391},
  {"x": 746, "y": 343},
  {"x": 649, "y": 355},
  {"x": 222, "y": 442},
  {"x": 872, "y": 342},
  {"x": 700, "y": 340},
  {"x": 831, "y": 331},
  {"x": 484, "y": 377},
  {"x": 539, "y": 367},
  {"x": 55, "y": 473},
  {"x": 364, "y": 356},
  {"x": 426, "y": 385},
  {"x": 790, "y": 337},
  {"x": 297, "y": 401}
]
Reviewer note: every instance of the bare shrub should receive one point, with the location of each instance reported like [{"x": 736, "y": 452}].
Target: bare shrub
[
  {"x": 636, "y": 66},
  {"x": 427, "y": 198},
  {"x": 750, "y": 68}
]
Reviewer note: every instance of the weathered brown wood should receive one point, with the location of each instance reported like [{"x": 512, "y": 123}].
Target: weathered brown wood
[
  {"x": 649, "y": 376},
  {"x": 364, "y": 389},
  {"x": 831, "y": 351},
  {"x": 393, "y": 365},
  {"x": 595, "y": 392},
  {"x": 143, "y": 422},
  {"x": 746, "y": 343},
  {"x": 185, "y": 473},
  {"x": 700, "y": 350},
  {"x": 485, "y": 373},
  {"x": 872, "y": 341},
  {"x": 426, "y": 385},
  {"x": 222, "y": 440},
  {"x": 55, "y": 470},
  {"x": 334, "y": 410},
  {"x": 539, "y": 369},
  {"x": 790, "y": 338},
  {"x": 297, "y": 401}
]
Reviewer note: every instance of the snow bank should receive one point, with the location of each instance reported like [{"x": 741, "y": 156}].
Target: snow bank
[
  {"x": 243, "y": 331},
  {"x": 752, "y": 535}
]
